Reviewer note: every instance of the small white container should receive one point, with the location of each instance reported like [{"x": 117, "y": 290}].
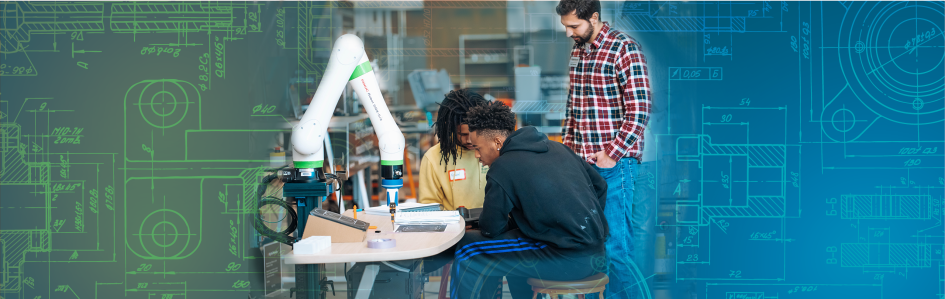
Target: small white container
[{"x": 312, "y": 244}]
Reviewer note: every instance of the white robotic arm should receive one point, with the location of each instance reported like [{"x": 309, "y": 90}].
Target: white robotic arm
[{"x": 349, "y": 63}]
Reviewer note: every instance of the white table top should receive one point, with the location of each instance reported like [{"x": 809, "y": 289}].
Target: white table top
[{"x": 409, "y": 245}]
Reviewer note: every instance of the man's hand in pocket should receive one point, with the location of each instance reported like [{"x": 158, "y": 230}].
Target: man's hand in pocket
[{"x": 603, "y": 160}]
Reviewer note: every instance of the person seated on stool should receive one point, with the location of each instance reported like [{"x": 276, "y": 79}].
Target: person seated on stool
[
  {"x": 450, "y": 174},
  {"x": 555, "y": 199}
]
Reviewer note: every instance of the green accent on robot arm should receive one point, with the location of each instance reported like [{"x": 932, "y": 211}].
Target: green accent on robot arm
[
  {"x": 308, "y": 164},
  {"x": 392, "y": 162},
  {"x": 360, "y": 70}
]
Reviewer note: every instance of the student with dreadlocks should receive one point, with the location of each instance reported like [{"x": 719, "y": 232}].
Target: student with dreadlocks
[{"x": 450, "y": 174}]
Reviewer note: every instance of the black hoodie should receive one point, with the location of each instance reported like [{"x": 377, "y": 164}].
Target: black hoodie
[{"x": 551, "y": 193}]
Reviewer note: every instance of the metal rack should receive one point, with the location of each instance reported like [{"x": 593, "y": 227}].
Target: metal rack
[{"x": 483, "y": 56}]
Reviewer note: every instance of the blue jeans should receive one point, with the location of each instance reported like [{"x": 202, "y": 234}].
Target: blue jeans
[
  {"x": 644, "y": 223},
  {"x": 625, "y": 280}
]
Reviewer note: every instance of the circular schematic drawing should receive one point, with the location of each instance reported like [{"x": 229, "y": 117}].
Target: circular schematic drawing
[
  {"x": 164, "y": 234},
  {"x": 843, "y": 120},
  {"x": 164, "y": 103},
  {"x": 892, "y": 59},
  {"x": 600, "y": 263}
]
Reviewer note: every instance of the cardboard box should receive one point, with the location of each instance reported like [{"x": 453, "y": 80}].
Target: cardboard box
[{"x": 341, "y": 229}]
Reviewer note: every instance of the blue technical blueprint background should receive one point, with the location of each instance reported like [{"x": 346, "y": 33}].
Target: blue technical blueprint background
[{"x": 798, "y": 147}]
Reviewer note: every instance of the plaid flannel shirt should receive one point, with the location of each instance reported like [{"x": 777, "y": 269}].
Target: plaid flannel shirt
[{"x": 609, "y": 98}]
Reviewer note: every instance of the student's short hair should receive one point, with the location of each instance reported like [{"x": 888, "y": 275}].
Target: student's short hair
[
  {"x": 492, "y": 118},
  {"x": 583, "y": 9}
]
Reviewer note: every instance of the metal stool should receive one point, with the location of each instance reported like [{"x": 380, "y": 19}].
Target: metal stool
[
  {"x": 444, "y": 282},
  {"x": 593, "y": 284}
]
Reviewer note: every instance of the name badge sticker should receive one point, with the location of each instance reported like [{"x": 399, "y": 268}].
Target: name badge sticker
[
  {"x": 574, "y": 61},
  {"x": 457, "y": 175}
]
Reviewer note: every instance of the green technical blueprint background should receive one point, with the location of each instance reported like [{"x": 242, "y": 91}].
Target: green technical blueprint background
[{"x": 129, "y": 147}]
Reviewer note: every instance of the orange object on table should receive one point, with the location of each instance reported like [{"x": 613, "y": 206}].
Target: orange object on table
[{"x": 413, "y": 190}]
